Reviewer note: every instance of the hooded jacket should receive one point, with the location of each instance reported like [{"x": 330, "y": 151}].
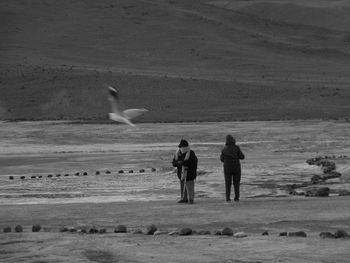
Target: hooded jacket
[{"x": 230, "y": 156}]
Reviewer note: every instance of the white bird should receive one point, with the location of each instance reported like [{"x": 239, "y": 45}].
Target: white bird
[{"x": 117, "y": 114}]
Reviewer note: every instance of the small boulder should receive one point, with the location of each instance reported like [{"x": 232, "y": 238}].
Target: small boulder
[
  {"x": 120, "y": 172},
  {"x": 85, "y": 173},
  {"x": 343, "y": 192},
  {"x": 217, "y": 232},
  {"x": 83, "y": 231},
  {"x": 120, "y": 229},
  {"x": 142, "y": 170},
  {"x": 131, "y": 171},
  {"x": 227, "y": 232},
  {"x": 265, "y": 233},
  {"x": 33, "y": 177},
  {"x": 102, "y": 231},
  {"x": 63, "y": 229},
  {"x": 49, "y": 175},
  {"x": 58, "y": 175},
  {"x": 108, "y": 172},
  {"x": 66, "y": 175},
  {"x": 7, "y": 229},
  {"x": 327, "y": 235},
  {"x": 36, "y": 228},
  {"x": 72, "y": 230},
  {"x": 297, "y": 234},
  {"x": 40, "y": 176},
  {"x": 151, "y": 229},
  {"x": 185, "y": 231},
  {"x": 318, "y": 192},
  {"x": 97, "y": 172},
  {"x": 153, "y": 169},
  {"x": 240, "y": 235},
  {"x": 11, "y": 177},
  {"x": 283, "y": 234},
  {"x": 93, "y": 230},
  {"x": 23, "y": 177},
  {"x": 19, "y": 229},
  {"x": 316, "y": 179},
  {"x": 341, "y": 234},
  {"x": 77, "y": 174}
]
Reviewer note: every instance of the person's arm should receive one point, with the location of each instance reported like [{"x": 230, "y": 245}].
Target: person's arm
[
  {"x": 222, "y": 156},
  {"x": 240, "y": 154}
]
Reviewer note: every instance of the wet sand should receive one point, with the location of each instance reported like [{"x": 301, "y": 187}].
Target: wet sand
[{"x": 311, "y": 215}]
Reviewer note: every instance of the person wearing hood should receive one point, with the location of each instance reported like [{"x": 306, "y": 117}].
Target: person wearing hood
[
  {"x": 231, "y": 156},
  {"x": 185, "y": 160}
]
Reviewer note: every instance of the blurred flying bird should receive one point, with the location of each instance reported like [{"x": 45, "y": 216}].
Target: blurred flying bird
[{"x": 117, "y": 114}]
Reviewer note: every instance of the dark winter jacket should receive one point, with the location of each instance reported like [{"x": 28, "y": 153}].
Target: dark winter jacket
[
  {"x": 230, "y": 156},
  {"x": 191, "y": 166}
]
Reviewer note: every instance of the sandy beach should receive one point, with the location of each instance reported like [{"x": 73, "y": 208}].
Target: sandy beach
[{"x": 276, "y": 157}]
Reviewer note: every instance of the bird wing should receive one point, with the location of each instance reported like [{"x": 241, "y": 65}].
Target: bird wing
[
  {"x": 132, "y": 113},
  {"x": 114, "y": 99}
]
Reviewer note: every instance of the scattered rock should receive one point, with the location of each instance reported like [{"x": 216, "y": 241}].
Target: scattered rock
[
  {"x": 49, "y": 176},
  {"x": 77, "y": 174},
  {"x": 66, "y": 175},
  {"x": 265, "y": 233},
  {"x": 341, "y": 234},
  {"x": 33, "y": 177},
  {"x": 11, "y": 177},
  {"x": 83, "y": 231},
  {"x": 108, "y": 172},
  {"x": 217, "y": 232},
  {"x": 297, "y": 234},
  {"x": 283, "y": 234},
  {"x": 40, "y": 176},
  {"x": 185, "y": 231},
  {"x": 36, "y": 228},
  {"x": 240, "y": 235},
  {"x": 23, "y": 177},
  {"x": 153, "y": 169},
  {"x": 63, "y": 229},
  {"x": 173, "y": 233},
  {"x": 327, "y": 235},
  {"x": 19, "y": 229},
  {"x": 131, "y": 171},
  {"x": 120, "y": 171},
  {"x": 227, "y": 232},
  {"x": 203, "y": 232},
  {"x": 72, "y": 230},
  {"x": 85, "y": 173},
  {"x": 142, "y": 170},
  {"x": 120, "y": 229},
  {"x": 102, "y": 231},
  {"x": 97, "y": 172},
  {"x": 7, "y": 229},
  {"x": 58, "y": 175},
  {"x": 158, "y": 232},
  {"x": 151, "y": 229}
]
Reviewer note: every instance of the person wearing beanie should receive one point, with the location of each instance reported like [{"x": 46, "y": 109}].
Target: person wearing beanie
[
  {"x": 231, "y": 156},
  {"x": 185, "y": 160}
]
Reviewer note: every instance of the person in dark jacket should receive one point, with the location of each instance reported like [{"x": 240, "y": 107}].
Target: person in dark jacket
[
  {"x": 185, "y": 160},
  {"x": 231, "y": 156}
]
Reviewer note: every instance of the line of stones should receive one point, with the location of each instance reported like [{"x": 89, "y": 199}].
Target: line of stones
[
  {"x": 153, "y": 230},
  {"x": 78, "y": 174}
]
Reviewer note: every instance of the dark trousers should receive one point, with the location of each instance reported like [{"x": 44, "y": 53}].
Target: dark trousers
[
  {"x": 183, "y": 190},
  {"x": 236, "y": 180}
]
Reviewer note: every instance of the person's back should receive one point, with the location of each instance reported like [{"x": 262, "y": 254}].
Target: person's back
[{"x": 231, "y": 155}]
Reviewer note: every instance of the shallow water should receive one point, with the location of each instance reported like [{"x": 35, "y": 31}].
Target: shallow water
[{"x": 275, "y": 152}]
